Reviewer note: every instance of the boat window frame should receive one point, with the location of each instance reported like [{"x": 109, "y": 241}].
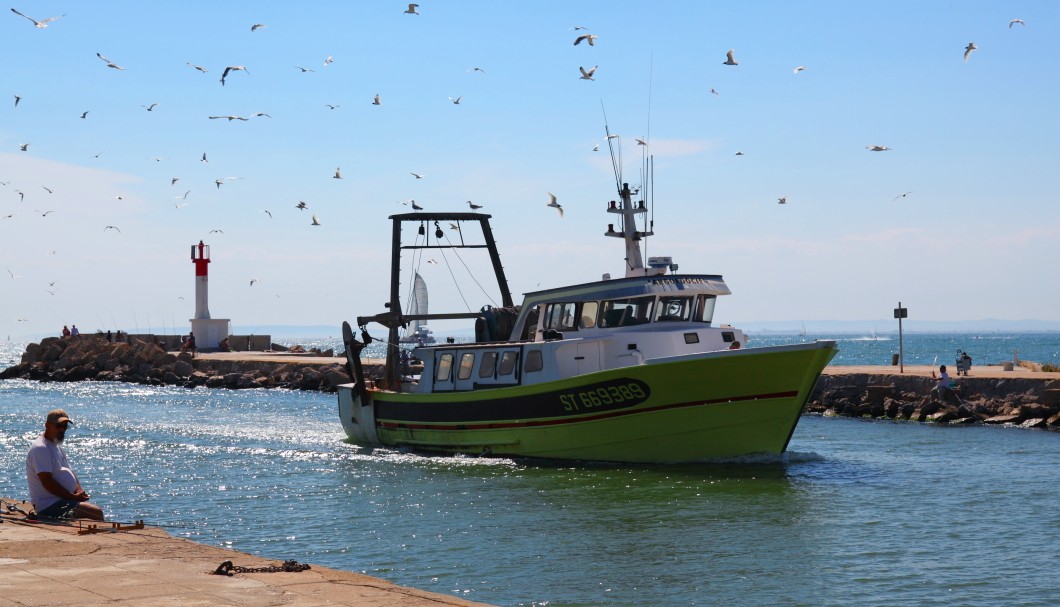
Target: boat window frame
[
  {"x": 704, "y": 306},
  {"x": 488, "y": 364},
  {"x": 560, "y": 316},
  {"x": 585, "y": 314},
  {"x": 443, "y": 364},
  {"x": 467, "y": 364},
  {"x": 641, "y": 315},
  {"x": 688, "y": 303},
  {"x": 505, "y": 368},
  {"x": 534, "y": 360}
]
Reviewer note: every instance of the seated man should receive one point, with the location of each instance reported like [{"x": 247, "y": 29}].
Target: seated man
[{"x": 53, "y": 486}]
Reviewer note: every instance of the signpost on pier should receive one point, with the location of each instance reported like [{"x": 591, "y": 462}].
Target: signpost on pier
[{"x": 900, "y": 313}]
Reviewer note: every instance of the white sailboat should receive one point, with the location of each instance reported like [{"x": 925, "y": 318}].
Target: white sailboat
[{"x": 418, "y": 333}]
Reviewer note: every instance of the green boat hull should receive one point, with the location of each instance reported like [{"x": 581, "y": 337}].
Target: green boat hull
[{"x": 682, "y": 409}]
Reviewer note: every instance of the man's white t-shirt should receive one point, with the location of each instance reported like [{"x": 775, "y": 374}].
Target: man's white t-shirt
[{"x": 47, "y": 456}]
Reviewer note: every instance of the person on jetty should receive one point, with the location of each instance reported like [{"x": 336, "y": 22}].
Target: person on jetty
[
  {"x": 66, "y": 331},
  {"x": 53, "y": 486},
  {"x": 73, "y": 331},
  {"x": 942, "y": 388},
  {"x": 224, "y": 345},
  {"x": 189, "y": 344}
]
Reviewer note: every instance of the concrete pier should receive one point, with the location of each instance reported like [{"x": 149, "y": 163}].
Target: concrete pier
[{"x": 42, "y": 564}]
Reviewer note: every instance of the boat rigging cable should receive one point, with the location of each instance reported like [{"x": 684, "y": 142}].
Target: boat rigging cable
[{"x": 646, "y": 159}]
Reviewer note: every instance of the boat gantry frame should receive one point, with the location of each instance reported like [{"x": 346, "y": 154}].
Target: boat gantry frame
[{"x": 393, "y": 318}]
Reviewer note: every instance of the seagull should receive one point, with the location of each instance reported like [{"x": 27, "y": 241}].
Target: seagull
[
  {"x": 714, "y": 92},
  {"x": 180, "y": 205},
  {"x": 331, "y": 107},
  {"x": 903, "y": 195},
  {"x": 338, "y": 174},
  {"x": 185, "y": 196},
  {"x": 412, "y": 9},
  {"x": 315, "y": 221},
  {"x": 968, "y": 50},
  {"x": 782, "y": 200},
  {"x": 477, "y": 69},
  {"x": 23, "y": 146},
  {"x": 219, "y": 182},
  {"x": 729, "y": 60},
  {"x": 577, "y": 27},
  {"x": 267, "y": 212},
  {"x": 198, "y": 67},
  {"x": 301, "y": 205},
  {"x": 21, "y": 196},
  {"x": 49, "y": 190},
  {"x": 588, "y": 75},
  {"x": 415, "y": 207},
  {"x": 110, "y": 63},
  {"x": 555, "y": 204},
  {"x": 17, "y": 99},
  {"x": 473, "y": 205},
  {"x": 112, "y": 228},
  {"x": 43, "y": 213},
  {"x": 84, "y": 115},
  {"x": 230, "y": 118},
  {"x": 329, "y": 60},
  {"x": 640, "y": 142},
  {"x": 454, "y": 226},
  {"x": 591, "y": 39},
  {"x": 232, "y": 68},
  {"x": 257, "y": 26},
  {"x": 739, "y": 153},
  {"x": 432, "y": 261},
  {"x": 13, "y": 275},
  {"x": 799, "y": 69},
  {"x": 260, "y": 114},
  {"x": 304, "y": 69},
  {"x": 457, "y": 100},
  {"x": 416, "y": 175},
  {"x": 174, "y": 180},
  {"x": 42, "y": 23},
  {"x": 252, "y": 281},
  {"x": 150, "y": 108},
  {"x": 377, "y": 101},
  {"x": 218, "y": 231},
  {"x": 877, "y": 148},
  {"x": 204, "y": 157},
  {"x": 596, "y": 148},
  {"x": 1015, "y": 21}
]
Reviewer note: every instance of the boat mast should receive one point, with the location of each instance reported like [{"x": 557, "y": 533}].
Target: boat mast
[{"x": 628, "y": 232}]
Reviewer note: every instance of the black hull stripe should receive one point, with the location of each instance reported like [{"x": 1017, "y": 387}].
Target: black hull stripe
[{"x": 398, "y": 425}]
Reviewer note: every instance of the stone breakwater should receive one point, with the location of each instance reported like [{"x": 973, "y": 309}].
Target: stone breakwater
[
  {"x": 1026, "y": 402},
  {"x": 93, "y": 358}
]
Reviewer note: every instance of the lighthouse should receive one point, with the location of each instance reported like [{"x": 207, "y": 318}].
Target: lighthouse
[{"x": 208, "y": 331}]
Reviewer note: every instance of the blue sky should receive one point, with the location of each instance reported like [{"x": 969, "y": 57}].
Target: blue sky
[{"x": 973, "y": 142}]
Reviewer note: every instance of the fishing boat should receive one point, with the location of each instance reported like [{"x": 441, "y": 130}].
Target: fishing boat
[
  {"x": 629, "y": 369},
  {"x": 418, "y": 333}
]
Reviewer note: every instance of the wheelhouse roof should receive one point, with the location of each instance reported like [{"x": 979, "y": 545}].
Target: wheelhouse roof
[{"x": 685, "y": 284}]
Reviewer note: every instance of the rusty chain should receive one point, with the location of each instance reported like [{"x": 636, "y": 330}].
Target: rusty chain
[{"x": 292, "y": 566}]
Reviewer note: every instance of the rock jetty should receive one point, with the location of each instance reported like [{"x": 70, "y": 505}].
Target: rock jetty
[
  {"x": 137, "y": 361},
  {"x": 1026, "y": 402}
]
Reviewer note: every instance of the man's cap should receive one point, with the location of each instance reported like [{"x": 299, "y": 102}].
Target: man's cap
[{"x": 58, "y": 416}]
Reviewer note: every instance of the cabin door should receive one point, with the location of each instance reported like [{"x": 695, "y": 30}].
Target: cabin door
[
  {"x": 588, "y": 358},
  {"x": 445, "y": 362}
]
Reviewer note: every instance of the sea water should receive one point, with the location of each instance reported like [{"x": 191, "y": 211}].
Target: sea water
[{"x": 866, "y": 513}]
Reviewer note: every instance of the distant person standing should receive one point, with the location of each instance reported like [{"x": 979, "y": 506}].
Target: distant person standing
[
  {"x": 110, "y": 337},
  {"x": 189, "y": 343},
  {"x": 53, "y": 486}
]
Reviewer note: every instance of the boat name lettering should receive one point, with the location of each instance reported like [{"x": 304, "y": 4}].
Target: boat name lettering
[
  {"x": 681, "y": 281},
  {"x": 609, "y": 395}
]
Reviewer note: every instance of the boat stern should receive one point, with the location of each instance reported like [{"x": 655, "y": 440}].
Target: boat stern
[{"x": 357, "y": 414}]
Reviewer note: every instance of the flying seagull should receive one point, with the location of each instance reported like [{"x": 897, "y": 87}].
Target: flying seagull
[
  {"x": 230, "y": 118},
  {"x": 782, "y": 200},
  {"x": 457, "y": 100},
  {"x": 232, "y": 68},
  {"x": 739, "y": 154},
  {"x": 217, "y": 231},
  {"x": 338, "y": 174},
  {"x": 84, "y": 115},
  {"x": 219, "y": 182},
  {"x": 150, "y": 108},
  {"x": 252, "y": 281},
  {"x": 112, "y": 228},
  {"x": 23, "y": 146},
  {"x": 1015, "y": 21},
  {"x": 329, "y": 60},
  {"x": 412, "y": 9},
  {"x": 416, "y": 175},
  {"x": 729, "y": 60},
  {"x": 204, "y": 157},
  {"x": 301, "y": 205},
  {"x": 260, "y": 114},
  {"x": 714, "y": 92},
  {"x": 198, "y": 67},
  {"x": 902, "y": 195},
  {"x": 315, "y": 221},
  {"x": 799, "y": 69},
  {"x": 591, "y": 39},
  {"x": 877, "y": 148},
  {"x": 596, "y": 148},
  {"x": 109, "y": 62},
  {"x": 257, "y": 26},
  {"x": 267, "y": 212},
  {"x": 968, "y": 50},
  {"x": 331, "y": 107},
  {"x": 49, "y": 190},
  {"x": 43, "y": 213},
  {"x": 640, "y": 141},
  {"x": 474, "y": 206},
  {"x": 477, "y": 69},
  {"x": 173, "y": 180},
  {"x": 185, "y": 196},
  {"x": 588, "y": 75},
  {"x": 42, "y": 23},
  {"x": 17, "y": 99},
  {"x": 553, "y": 203},
  {"x": 377, "y": 101}
]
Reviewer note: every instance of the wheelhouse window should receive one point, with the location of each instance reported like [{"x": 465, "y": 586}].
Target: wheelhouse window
[
  {"x": 626, "y": 312},
  {"x": 704, "y": 311},
  {"x": 508, "y": 360},
  {"x": 467, "y": 362},
  {"x": 560, "y": 316},
  {"x": 488, "y": 366},
  {"x": 588, "y": 315},
  {"x": 534, "y": 361},
  {"x": 673, "y": 309},
  {"x": 445, "y": 367}
]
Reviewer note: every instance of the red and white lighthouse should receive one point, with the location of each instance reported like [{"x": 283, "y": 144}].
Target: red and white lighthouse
[{"x": 208, "y": 331}]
